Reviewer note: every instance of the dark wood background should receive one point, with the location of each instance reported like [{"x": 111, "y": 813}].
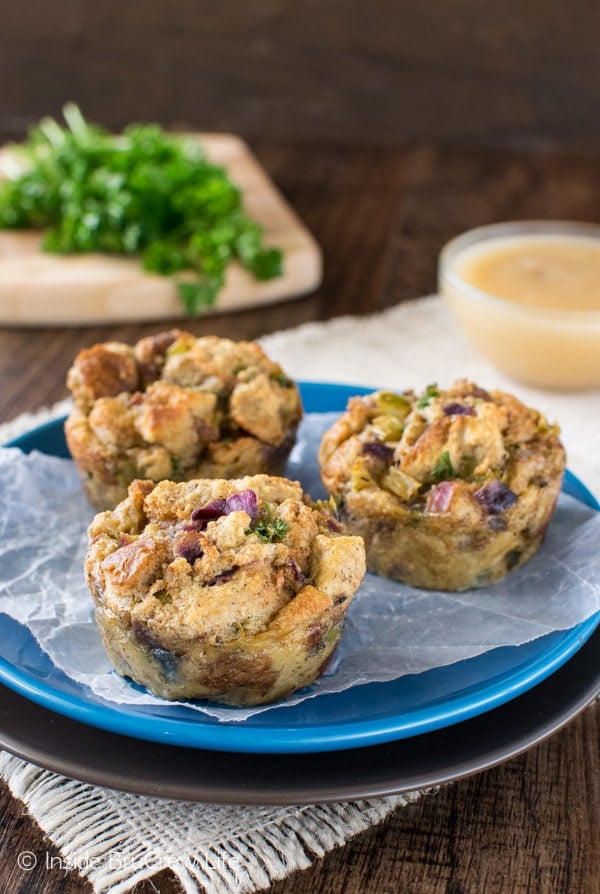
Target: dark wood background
[{"x": 518, "y": 72}]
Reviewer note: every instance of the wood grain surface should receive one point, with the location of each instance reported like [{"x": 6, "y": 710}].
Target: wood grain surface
[
  {"x": 462, "y": 71},
  {"x": 381, "y": 216}
]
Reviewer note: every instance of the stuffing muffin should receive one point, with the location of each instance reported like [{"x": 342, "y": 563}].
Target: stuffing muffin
[
  {"x": 234, "y": 591},
  {"x": 449, "y": 489},
  {"x": 178, "y": 407}
]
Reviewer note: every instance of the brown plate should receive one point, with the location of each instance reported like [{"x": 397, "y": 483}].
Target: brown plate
[{"x": 119, "y": 762}]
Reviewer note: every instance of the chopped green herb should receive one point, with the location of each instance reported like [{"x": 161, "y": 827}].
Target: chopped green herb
[
  {"x": 430, "y": 392},
  {"x": 196, "y": 295},
  {"x": 267, "y": 528},
  {"x": 267, "y": 264},
  {"x": 443, "y": 469},
  {"x": 143, "y": 192}
]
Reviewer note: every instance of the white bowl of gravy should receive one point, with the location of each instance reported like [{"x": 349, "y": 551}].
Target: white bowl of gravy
[{"x": 527, "y": 295}]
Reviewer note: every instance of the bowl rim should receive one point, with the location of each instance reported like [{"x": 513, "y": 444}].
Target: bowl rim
[{"x": 452, "y": 248}]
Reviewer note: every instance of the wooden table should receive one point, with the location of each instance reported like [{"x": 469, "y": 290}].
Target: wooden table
[{"x": 381, "y": 216}]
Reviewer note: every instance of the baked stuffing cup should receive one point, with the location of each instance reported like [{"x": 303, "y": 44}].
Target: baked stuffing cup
[
  {"x": 234, "y": 591},
  {"x": 449, "y": 489},
  {"x": 177, "y": 407}
]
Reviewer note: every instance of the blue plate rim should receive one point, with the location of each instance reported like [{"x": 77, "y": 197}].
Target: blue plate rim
[{"x": 356, "y": 733}]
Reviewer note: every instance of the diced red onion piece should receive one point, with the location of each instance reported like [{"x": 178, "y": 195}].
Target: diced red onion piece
[
  {"x": 188, "y": 545},
  {"x": 440, "y": 496},
  {"x": 300, "y": 576},
  {"x": 378, "y": 449},
  {"x": 245, "y": 500},
  {"x": 456, "y": 409},
  {"x": 495, "y": 497},
  {"x": 222, "y": 578},
  {"x": 212, "y": 510}
]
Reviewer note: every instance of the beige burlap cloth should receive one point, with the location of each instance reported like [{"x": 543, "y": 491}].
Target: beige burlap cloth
[{"x": 116, "y": 839}]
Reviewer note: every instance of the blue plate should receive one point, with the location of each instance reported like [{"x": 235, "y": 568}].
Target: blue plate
[{"x": 362, "y": 716}]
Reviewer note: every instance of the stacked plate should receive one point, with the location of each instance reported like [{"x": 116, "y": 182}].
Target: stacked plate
[{"x": 377, "y": 739}]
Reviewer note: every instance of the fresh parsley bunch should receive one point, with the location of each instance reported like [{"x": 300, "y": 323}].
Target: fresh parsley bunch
[{"x": 143, "y": 192}]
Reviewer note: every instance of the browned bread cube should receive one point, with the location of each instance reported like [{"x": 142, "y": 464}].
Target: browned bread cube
[{"x": 178, "y": 407}]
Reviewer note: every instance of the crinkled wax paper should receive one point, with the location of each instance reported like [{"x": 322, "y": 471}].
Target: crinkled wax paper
[{"x": 390, "y": 630}]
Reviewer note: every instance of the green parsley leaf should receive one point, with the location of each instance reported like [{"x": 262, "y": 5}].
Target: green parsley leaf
[
  {"x": 267, "y": 264},
  {"x": 430, "y": 392},
  {"x": 198, "y": 294},
  {"x": 143, "y": 192},
  {"x": 443, "y": 469},
  {"x": 267, "y": 528}
]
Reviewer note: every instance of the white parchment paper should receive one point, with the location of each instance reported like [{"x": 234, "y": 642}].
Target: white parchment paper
[{"x": 391, "y": 630}]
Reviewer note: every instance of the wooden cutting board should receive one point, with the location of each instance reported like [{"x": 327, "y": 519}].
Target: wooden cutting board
[{"x": 38, "y": 288}]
